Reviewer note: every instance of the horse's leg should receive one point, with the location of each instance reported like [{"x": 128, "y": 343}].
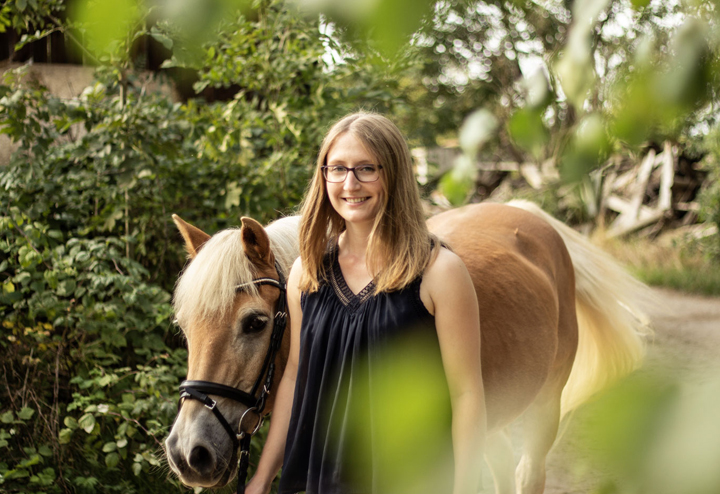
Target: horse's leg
[
  {"x": 500, "y": 459},
  {"x": 540, "y": 426}
]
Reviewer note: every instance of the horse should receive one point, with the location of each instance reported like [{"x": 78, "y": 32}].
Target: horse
[{"x": 560, "y": 320}]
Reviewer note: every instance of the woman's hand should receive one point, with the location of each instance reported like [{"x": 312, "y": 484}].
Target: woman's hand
[{"x": 256, "y": 486}]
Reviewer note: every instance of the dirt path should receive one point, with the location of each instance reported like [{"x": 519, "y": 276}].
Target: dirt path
[{"x": 687, "y": 342}]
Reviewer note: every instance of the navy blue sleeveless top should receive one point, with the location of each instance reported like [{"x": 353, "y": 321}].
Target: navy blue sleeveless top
[{"x": 371, "y": 413}]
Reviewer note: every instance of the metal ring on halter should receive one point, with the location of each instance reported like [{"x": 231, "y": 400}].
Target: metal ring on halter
[{"x": 241, "y": 432}]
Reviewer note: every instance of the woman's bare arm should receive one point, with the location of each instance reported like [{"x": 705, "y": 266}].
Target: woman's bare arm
[
  {"x": 274, "y": 449},
  {"x": 453, "y": 301}
]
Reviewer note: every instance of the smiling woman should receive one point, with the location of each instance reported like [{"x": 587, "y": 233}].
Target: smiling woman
[{"x": 370, "y": 278}]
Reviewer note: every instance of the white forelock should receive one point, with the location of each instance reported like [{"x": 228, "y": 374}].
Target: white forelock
[{"x": 207, "y": 286}]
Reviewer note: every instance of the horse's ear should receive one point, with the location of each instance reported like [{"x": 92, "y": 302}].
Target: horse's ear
[
  {"x": 194, "y": 237},
  {"x": 255, "y": 241}
]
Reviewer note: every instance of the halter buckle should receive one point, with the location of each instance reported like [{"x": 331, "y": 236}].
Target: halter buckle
[{"x": 211, "y": 405}]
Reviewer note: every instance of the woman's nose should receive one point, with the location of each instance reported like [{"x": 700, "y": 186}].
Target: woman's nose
[{"x": 351, "y": 181}]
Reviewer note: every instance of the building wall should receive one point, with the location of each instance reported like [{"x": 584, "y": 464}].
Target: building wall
[{"x": 66, "y": 82}]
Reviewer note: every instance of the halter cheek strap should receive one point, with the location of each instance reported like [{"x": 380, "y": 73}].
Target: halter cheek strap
[{"x": 200, "y": 390}]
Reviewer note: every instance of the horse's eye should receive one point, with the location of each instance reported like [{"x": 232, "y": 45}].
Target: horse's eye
[{"x": 254, "y": 324}]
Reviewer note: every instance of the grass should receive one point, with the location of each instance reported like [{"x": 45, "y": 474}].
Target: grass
[{"x": 672, "y": 261}]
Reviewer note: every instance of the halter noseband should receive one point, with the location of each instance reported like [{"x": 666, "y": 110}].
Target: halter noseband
[{"x": 200, "y": 390}]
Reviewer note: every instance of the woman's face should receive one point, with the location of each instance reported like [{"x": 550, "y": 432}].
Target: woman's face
[{"x": 355, "y": 201}]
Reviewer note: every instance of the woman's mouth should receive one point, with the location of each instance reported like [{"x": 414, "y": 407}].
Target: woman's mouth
[{"x": 355, "y": 200}]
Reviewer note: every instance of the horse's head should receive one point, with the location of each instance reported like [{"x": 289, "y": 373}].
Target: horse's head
[{"x": 228, "y": 331}]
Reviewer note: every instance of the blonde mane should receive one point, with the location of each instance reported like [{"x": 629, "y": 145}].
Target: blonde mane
[{"x": 207, "y": 287}]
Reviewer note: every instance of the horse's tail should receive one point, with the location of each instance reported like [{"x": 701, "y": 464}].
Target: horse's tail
[{"x": 612, "y": 328}]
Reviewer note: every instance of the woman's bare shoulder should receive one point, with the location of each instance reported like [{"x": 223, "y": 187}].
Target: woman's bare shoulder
[
  {"x": 293, "y": 282},
  {"x": 446, "y": 264},
  {"x": 443, "y": 278}
]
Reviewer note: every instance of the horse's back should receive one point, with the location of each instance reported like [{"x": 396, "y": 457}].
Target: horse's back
[{"x": 524, "y": 281}]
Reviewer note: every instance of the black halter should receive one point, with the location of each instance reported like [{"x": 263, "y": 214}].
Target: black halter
[{"x": 200, "y": 390}]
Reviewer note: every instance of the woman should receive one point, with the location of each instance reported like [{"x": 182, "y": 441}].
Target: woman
[{"x": 370, "y": 277}]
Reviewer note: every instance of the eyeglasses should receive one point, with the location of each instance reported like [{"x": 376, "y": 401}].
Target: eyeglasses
[{"x": 364, "y": 173}]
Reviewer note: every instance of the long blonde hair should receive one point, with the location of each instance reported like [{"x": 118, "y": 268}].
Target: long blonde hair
[{"x": 400, "y": 245}]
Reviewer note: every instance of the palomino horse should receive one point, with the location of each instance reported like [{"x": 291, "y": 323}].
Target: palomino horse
[{"x": 559, "y": 321}]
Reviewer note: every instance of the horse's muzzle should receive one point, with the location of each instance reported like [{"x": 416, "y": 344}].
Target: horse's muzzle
[{"x": 198, "y": 463}]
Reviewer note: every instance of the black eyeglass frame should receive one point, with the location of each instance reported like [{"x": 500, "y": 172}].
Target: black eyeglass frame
[{"x": 349, "y": 169}]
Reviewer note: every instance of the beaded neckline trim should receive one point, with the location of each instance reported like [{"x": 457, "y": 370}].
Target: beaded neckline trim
[{"x": 349, "y": 299}]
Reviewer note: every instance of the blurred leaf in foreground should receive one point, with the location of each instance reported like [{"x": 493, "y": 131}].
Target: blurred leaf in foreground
[
  {"x": 657, "y": 433},
  {"x": 588, "y": 148},
  {"x": 107, "y": 22},
  {"x": 397, "y": 421},
  {"x": 389, "y": 23}
]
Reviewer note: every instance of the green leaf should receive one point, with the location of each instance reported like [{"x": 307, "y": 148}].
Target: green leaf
[
  {"x": 109, "y": 447},
  {"x": 528, "y": 131},
  {"x": 477, "y": 128},
  {"x": 87, "y": 422},
  {"x": 456, "y": 190},
  {"x": 26, "y": 413},
  {"x": 45, "y": 450},
  {"x": 65, "y": 436},
  {"x": 21, "y": 5},
  {"x": 112, "y": 460},
  {"x": 232, "y": 195},
  {"x": 70, "y": 422},
  {"x": 18, "y": 473},
  {"x": 106, "y": 21},
  {"x": 7, "y": 417},
  {"x": 127, "y": 179},
  {"x": 137, "y": 468},
  {"x": 162, "y": 39},
  {"x": 66, "y": 287}
]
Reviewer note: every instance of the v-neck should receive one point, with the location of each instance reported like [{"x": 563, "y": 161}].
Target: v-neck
[{"x": 348, "y": 298}]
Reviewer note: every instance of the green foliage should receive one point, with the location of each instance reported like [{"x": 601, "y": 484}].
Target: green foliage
[
  {"x": 709, "y": 197},
  {"x": 88, "y": 254},
  {"x": 696, "y": 277},
  {"x": 25, "y": 15},
  {"x": 655, "y": 432},
  {"x": 83, "y": 344}
]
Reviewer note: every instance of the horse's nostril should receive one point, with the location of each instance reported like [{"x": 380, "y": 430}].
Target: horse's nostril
[{"x": 201, "y": 460}]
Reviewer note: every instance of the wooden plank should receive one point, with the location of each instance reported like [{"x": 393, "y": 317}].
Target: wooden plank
[
  {"x": 499, "y": 166},
  {"x": 641, "y": 185},
  {"x": 605, "y": 194},
  {"x": 687, "y": 206},
  {"x": 618, "y": 204},
  {"x": 625, "y": 179},
  {"x": 666, "y": 178},
  {"x": 531, "y": 174},
  {"x": 646, "y": 216}
]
